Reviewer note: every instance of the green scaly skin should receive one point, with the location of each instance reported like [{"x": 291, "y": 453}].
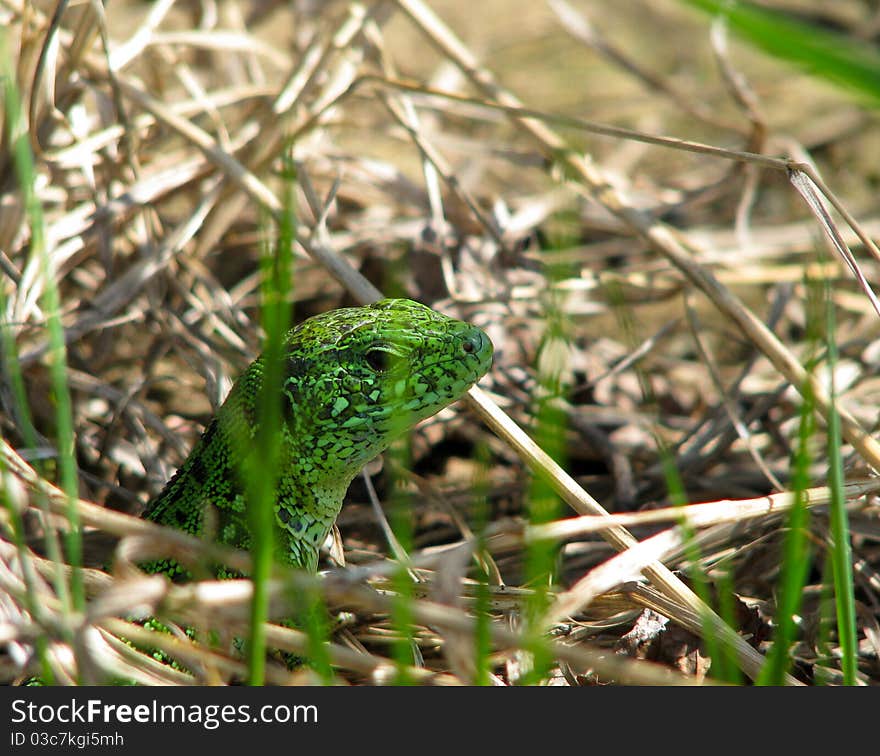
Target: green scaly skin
[{"x": 355, "y": 379}]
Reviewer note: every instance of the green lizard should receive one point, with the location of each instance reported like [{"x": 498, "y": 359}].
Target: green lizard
[{"x": 354, "y": 380}]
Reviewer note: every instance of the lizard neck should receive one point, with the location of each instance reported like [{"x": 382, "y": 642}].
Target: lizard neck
[
  {"x": 304, "y": 514},
  {"x": 307, "y": 499}
]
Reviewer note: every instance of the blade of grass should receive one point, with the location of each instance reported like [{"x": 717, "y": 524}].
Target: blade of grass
[
  {"x": 722, "y": 654},
  {"x": 72, "y": 596},
  {"x": 405, "y": 649},
  {"x": 20, "y": 410},
  {"x": 796, "y": 558},
  {"x": 841, "y": 552},
  {"x": 827, "y": 620},
  {"x": 840, "y": 58},
  {"x": 553, "y": 370},
  {"x": 481, "y": 520},
  {"x": 796, "y": 553},
  {"x": 262, "y": 476},
  {"x": 724, "y": 664}
]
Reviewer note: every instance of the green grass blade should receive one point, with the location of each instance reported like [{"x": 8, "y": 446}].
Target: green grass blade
[
  {"x": 404, "y": 649},
  {"x": 544, "y": 505},
  {"x": 277, "y": 269},
  {"x": 725, "y": 665},
  {"x": 839, "y": 58},
  {"x": 796, "y": 552},
  {"x": 723, "y": 655},
  {"x": 827, "y": 622},
  {"x": 21, "y": 414},
  {"x": 540, "y": 559},
  {"x": 841, "y": 551},
  {"x": 482, "y": 605},
  {"x": 23, "y": 161}
]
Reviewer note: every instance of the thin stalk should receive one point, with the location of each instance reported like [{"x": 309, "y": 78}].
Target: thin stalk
[
  {"x": 795, "y": 552},
  {"x": 277, "y": 268},
  {"x": 73, "y": 596},
  {"x": 482, "y": 520},
  {"x": 544, "y": 505},
  {"x": 405, "y": 650},
  {"x": 841, "y": 551}
]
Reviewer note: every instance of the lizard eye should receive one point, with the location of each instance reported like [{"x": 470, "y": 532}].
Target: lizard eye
[{"x": 378, "y": 359}]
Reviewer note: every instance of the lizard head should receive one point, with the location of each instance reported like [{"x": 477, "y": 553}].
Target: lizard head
[
  {"x": 353, "y": 380},
  {"x": 359, "y": 377}
]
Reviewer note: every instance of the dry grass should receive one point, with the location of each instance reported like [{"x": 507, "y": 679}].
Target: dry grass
[{"x": 649, "y": 298}]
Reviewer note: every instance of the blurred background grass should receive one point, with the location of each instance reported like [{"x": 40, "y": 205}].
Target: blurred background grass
[{"x": 156, "y": 255}]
